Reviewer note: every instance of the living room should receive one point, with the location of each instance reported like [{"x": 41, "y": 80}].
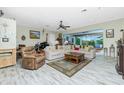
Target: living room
[{"x": 62, "y": 49}]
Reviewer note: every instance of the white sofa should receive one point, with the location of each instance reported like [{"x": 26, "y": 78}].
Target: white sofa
[{"x": 52, "y": 53}]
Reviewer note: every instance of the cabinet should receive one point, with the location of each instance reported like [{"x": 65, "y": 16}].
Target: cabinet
[
  {"x": 7, "y": 57},
  {"x": 120, "y": 60}
]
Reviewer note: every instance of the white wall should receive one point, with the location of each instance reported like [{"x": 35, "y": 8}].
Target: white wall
[
  {"x": 51, "y": 38},
  {"x": 22, "y": 30},
  {"x": 10, "y": 33},
  {"x": 117, "y": 25}
]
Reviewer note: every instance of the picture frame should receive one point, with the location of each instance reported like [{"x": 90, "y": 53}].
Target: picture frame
[
  {"x": 5, "y": 39},
  {"x": 34, "y": 34},
  {"x": 110, "y": 33}
]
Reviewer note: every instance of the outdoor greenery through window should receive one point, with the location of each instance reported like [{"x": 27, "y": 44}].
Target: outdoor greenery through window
[{"x": 89, "y": 38}]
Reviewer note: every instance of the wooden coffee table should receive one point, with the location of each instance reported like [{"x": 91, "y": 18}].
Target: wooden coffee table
[{"x": 74, "y": 57}]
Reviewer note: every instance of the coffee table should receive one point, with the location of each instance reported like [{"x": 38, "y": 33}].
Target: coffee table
[{"x": 74, "y": 57}]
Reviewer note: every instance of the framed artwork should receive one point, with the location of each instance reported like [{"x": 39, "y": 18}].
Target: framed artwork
[
  {"x": 110, "y": 33},
  {"x": 34, "y": 34}
]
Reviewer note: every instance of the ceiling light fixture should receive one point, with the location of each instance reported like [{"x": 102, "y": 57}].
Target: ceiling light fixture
[{"x": 84, "y": 10}]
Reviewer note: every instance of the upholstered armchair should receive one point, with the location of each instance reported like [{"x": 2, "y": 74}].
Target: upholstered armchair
[{"x": 32, "y": 60}]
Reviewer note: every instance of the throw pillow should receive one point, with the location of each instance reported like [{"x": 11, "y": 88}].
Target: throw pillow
[
  {"x": 76, "y": 48},
  {"x": 88, "y": 48}
]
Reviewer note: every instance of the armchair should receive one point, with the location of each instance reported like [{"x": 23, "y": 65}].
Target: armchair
[{"x": 32, "y": 60}]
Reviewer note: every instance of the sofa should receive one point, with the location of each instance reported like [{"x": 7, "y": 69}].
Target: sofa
[{"x": 53, "y": 53}]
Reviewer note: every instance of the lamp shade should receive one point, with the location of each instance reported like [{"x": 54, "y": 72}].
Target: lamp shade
[
  {"x": 56, "y": 42},
  {"x": 122, "y": 30}
]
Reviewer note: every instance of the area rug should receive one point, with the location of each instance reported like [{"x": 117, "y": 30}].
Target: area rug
[{"x": 68, "y": 68}]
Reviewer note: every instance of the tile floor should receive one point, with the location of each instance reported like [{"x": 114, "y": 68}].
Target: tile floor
[{"x": 100, "y": 71}]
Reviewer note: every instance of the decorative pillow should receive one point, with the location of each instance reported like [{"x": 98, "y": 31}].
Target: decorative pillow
[
  {"x": 87, "y": 48},
  {"x": 50, "y": 48},
  {"x": 60, "y": 47},
  {"x": 82, "y": 47},
  {"x": 69, "y": 47},
  {"x": 72, "y": 47},
  {"x": 76, "y": 48}
]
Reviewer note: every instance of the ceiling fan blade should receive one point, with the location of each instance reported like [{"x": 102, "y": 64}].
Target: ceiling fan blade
[
  {"x": 64, "y": 28},
  {"x": 58, "y": 28},
  {"x": 60, "y": 22},
  {"x": 67, "y": 26}
]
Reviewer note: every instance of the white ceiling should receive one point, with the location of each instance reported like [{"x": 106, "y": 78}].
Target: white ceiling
[{"x": 49, "y": 17}]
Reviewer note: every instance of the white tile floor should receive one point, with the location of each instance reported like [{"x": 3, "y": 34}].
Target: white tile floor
[{"x": 100, "y": 71}]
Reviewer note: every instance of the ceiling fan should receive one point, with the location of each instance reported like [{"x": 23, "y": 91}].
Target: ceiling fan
[
  {"x": 1, "y": 13},
  {"x": 62, "y": 26}
]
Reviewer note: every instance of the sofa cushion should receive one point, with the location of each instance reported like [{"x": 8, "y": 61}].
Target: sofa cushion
[
  {"x": 50, "y": 48},
  {"x": 72, "y": 46},
  {"x": 87, "y": 48}
]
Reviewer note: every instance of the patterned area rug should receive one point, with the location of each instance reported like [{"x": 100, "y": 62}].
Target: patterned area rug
[{"x": 68, "y": 68}]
